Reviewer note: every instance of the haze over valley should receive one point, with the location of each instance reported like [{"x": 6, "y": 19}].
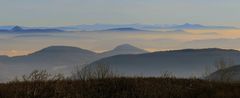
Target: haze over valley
[
  {"x": 143, "y": 49},
  {"x": 119, "y": 49},
  {"x": 103, "y": 37}
]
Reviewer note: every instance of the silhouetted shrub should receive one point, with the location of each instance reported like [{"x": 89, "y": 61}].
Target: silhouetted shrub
[
  {"x": 121, "y": 88},
  {"x": 101, "y": 82},
  {"x": 41, "y": 75},
  {"x": 99, "y": 71}
]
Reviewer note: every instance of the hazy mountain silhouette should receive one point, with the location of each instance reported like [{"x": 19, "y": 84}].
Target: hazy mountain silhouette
[
  {"x": 125, "y": 58},
  {"x": 97, "y": 27},
  {"x": 59, "y": 59},
  {"x": 17, "y": 29},
  {"x": 67, "y": 55},
  {"x": 187, "y": 62},
  {"x": 20, "y": 29},
  {"x": 123, "y": 49},
  {"x": 115, "y": 27},
  {"x": 198, "y": 26},
  {"x": 56, "y": 59},
  {"x": 123, "y": 30},
  {"x": 189, "y": 26},
  {"x": 57, "y": 55}
]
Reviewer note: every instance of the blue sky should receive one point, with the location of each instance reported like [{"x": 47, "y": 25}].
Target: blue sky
[{"x": 73, "y": 12}]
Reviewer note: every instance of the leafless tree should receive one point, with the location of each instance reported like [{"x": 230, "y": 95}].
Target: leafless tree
[
  {"x": 42, "y": 75},
  {"x": 99, "y": 71},
  {"x": 221, "y": 65},
  {"x": 224, "y": 63},
  {"x": 103, "y": 71},
  {"x": 81, "y": 73},
  {"x": 207, "y": 71},
  {"x": 167, "y": 74}
]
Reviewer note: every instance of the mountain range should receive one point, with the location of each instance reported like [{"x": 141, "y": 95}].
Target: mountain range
[
  {"x": 125, "y": 59},
  {"x": 197, "y": 26},
  {"x": 17, "y": 29},
  {"x": 96, "y": 27},
  {"x": 124, "y": 30},
  {"x": 101, "y": 27},
  {"x": 182, "y": 63},
  {"x": 58, "y": 59}
]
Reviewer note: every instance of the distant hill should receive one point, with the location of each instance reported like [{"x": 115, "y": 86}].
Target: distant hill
[
  {"x": 123, "y": 30},
  {"x": 58, "y": 59},
  {"x": 119, "y": 27},
  {"x": 182, "y": 63},
  {"x": 20, "y": 29},
  {"x": 198, "y": 26},
  {"x": 123, "y": 49},
  {"x": 67, "y": 55},
  {"x": 231, "y": 73},
  {"x": 57, "y": 55},
  {"x": 98, "y": 27}
]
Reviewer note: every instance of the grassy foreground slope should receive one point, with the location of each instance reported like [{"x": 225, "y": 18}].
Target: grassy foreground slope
[{"x": 121, "y": 88}]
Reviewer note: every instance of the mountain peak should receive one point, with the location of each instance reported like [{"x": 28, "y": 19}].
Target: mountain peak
[
  {"x": 187, "y": 24},
  {"x": 17, "y": 28},
  {"x": 125, "y": 46},
  {"x": 123, "y": 49},
  {"x": 129, "y": 49}
]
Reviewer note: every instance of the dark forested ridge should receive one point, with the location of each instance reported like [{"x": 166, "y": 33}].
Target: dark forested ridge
[{"x": 186, "y": 62}]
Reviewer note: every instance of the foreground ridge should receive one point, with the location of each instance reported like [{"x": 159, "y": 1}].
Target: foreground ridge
[{"x": 121, "y": 88}]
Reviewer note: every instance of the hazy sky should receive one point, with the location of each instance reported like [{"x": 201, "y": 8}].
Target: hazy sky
[{"x": 72, "y": 12}]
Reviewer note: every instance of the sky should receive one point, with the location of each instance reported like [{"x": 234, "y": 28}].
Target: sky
[{"x": 75, "y": 12}]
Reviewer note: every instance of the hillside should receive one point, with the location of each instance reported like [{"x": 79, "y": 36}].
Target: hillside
[
  {"x": 227, "y": 74},
  {"x": 182, "y": 63},
  {"x": 57, "y": 59}
]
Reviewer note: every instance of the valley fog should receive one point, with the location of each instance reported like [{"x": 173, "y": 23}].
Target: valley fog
[{"x": 25, "y": 43}]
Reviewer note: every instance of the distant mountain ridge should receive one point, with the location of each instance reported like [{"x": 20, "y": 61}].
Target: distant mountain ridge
[
  {"x": 20, "y": 29},
  {"x": 199, "y": 26},
  {"x": 58, "y": 59},
  {"x": 128, "y": 27},
  {"x": 123, "y": 30},
  {"x": 97, "y": 27},
  {"x": 126, "y": 59},
  {"x": 78, "y": 55}
]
